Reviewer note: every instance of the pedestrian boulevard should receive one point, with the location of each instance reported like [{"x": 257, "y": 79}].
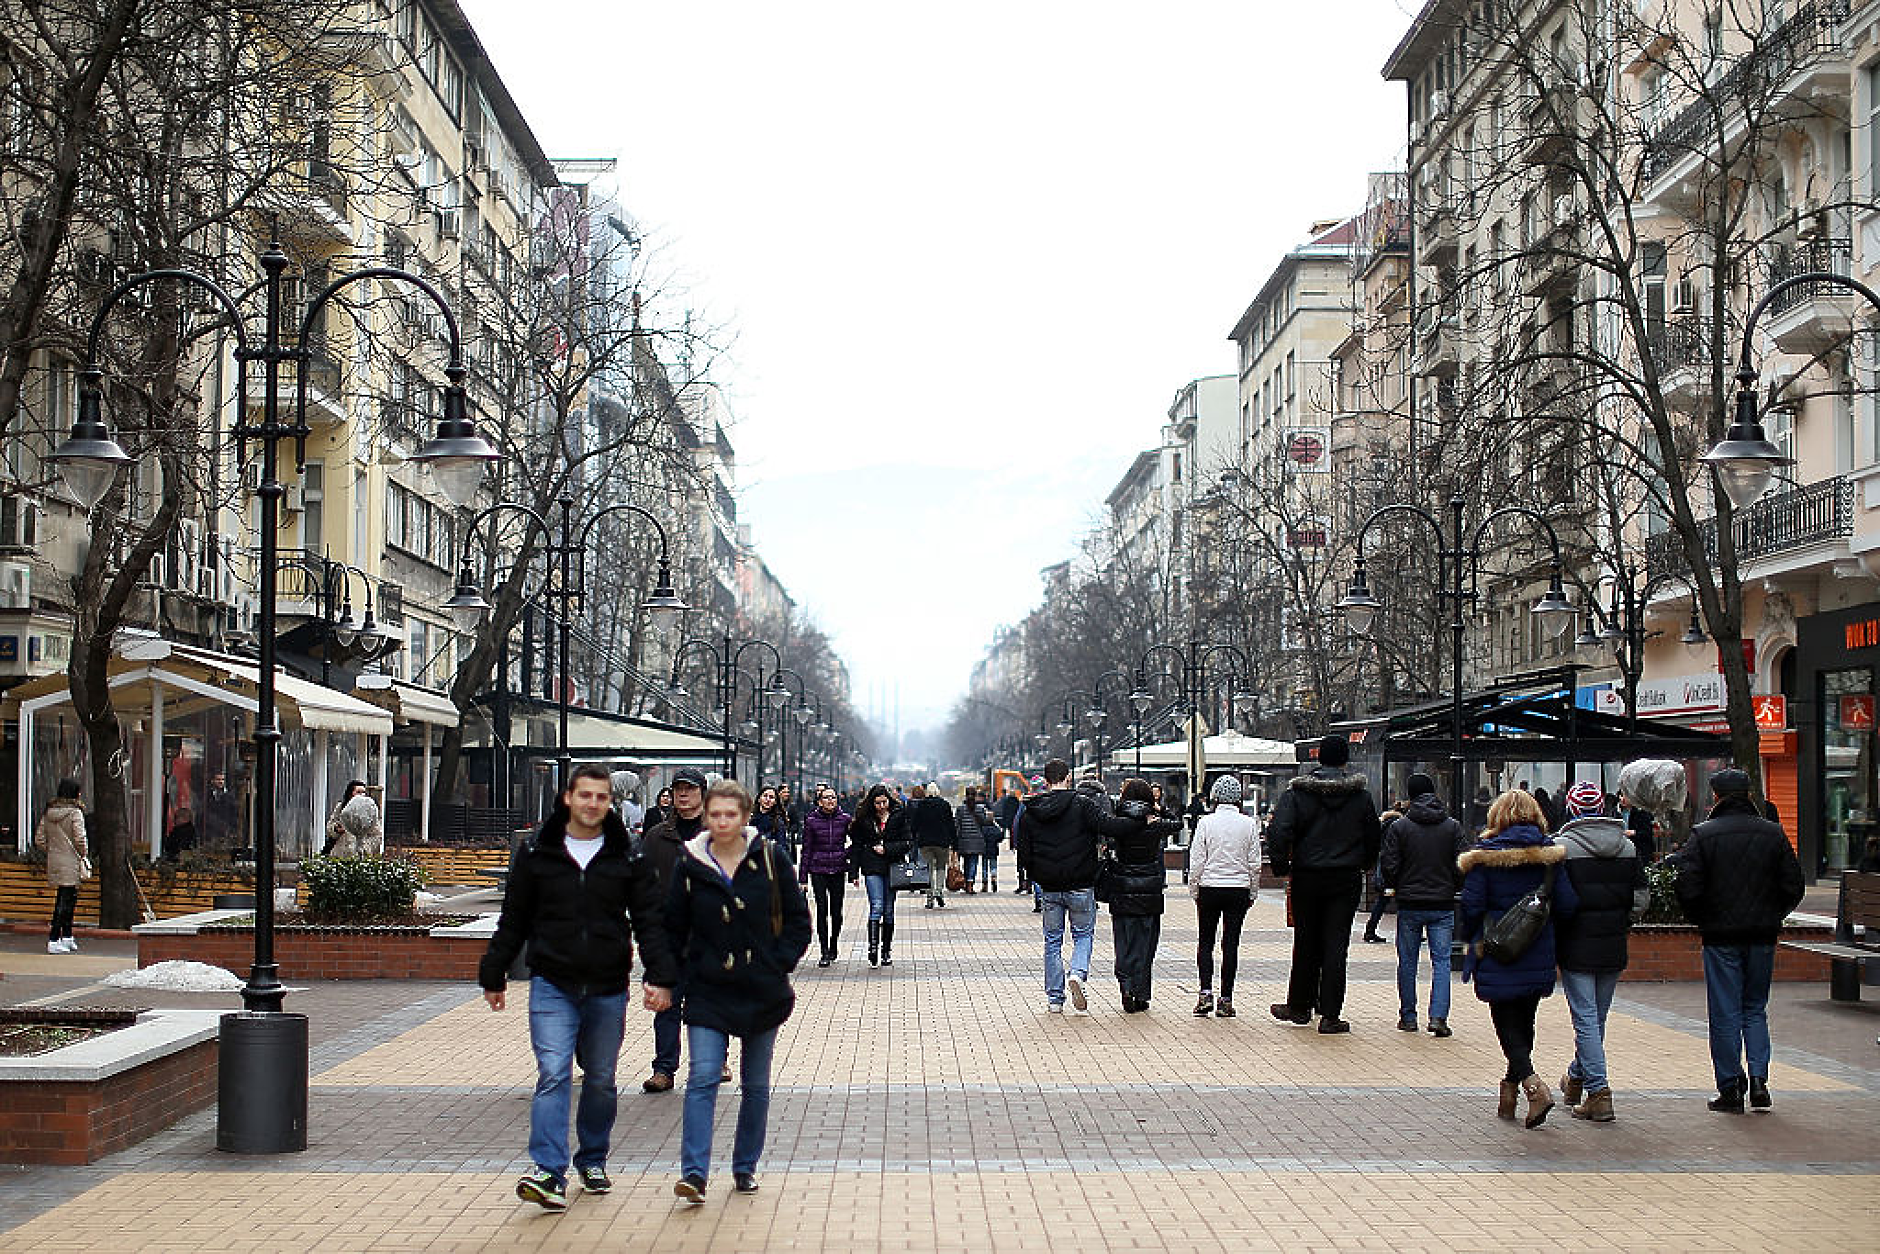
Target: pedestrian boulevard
[{"x": 936, "y": 1106}]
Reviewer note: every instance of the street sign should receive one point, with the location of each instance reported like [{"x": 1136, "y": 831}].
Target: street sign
[
  {"x": 1857, "y": 713},
  {"x": 1772, "y": 712}
]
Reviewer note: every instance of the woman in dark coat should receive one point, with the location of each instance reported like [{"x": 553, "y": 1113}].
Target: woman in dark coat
[
  {"x": 739, "y": 925},
  {"x": 1133, "y": 889},
  {"x": 878, "y": 838},
  {"x": 1506, "y": 864},
  {"x": 824, "y": 863},
  {"x": 767, "y": 817},
  {"x": 976, "y": 836}
]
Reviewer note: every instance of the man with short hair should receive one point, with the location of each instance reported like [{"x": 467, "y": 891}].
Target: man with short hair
[
  {"x": 579, "y": 894},
  {"x": 1324, "y": 834},
  {"x": 930, "y": 824},
  {"x": 1738, "y": 879},
  {"x": 1419, "y": 864},
  {"x": 664, "y": 843},
  {"x": 1058, "y": 833}
]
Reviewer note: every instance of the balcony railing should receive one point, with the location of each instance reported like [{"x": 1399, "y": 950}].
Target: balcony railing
[
  {"x": 1835, "y": 256},
  {"x": 1791, "y": 520},
  {"x": 1788, "y": 47},
  {"x": 1681, "y": 342}
]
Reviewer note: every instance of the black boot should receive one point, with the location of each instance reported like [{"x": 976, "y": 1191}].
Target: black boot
[
  {"x": 825, "y": 954},
  {"x": 874, "y": 942},
  {"x": 887, "y": 942}
]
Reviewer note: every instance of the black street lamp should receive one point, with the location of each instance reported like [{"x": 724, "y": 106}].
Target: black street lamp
[
  {"x": 1191, "y": 675},
  {"x": 725, "y": 659},
  {"x": 340, "y": 638},
  {"x": 88, "y": 461},
  {"x": 569, "y": 557},
  {"x": 1623, "y": 630},
  {"x": 1454, "y": 552}
]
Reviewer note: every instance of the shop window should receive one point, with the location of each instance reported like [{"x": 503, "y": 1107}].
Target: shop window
[{"x": 1847, "y": 767}]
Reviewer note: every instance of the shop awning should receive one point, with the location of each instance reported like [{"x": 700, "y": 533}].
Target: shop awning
[
  {"x": 588, "y": 733},
  {"x": 408, "y": 703},
  {"x": 1228, "y": 749}
]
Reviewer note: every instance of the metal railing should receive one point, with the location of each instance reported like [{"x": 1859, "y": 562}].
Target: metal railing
[
  {"x": 1790, "y": 520},
  {"x": 1683, "y": 341},
  {"x": 1835, "y": 256}
]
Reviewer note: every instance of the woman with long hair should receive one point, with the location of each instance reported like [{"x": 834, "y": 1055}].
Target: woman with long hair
[
  {"x": 878, "y": 839},
  {"x": 1509, "y": 862},
  {"x": 767, "y": 818},
  {"x": 1132, "y": 886},
  {"x": 61, "y": 837}
]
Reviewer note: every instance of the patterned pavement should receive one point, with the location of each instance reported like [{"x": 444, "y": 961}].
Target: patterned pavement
[{"x": 936, "y": 1106}]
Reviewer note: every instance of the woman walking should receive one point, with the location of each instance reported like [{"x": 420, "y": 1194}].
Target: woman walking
[
  {"x": 767, "y": 818},
  {"x": 976, "y": 836},
  {"x": 1133, "y": 888},
  {"x": 823, "y": 867},
  {"x": 61, "y": 835},
  {"x": 660, "y": 811},
  {"x": 739, "y": 925},
  {"x": 1224, "y": 879},
  {"x": 877, "y": 840},
  {"x": 1510, "y": 861}
]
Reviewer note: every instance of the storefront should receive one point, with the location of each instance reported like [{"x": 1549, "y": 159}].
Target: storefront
[{"x": 1832, "y": 709}]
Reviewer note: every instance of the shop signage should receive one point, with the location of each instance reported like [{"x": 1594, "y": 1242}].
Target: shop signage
[
  {"x": 1772, "y": 712},
  {"x": 1857, "y": 712},
  {"x": 1864, "y": 634},
  {"x": 1678, "y": 694}
]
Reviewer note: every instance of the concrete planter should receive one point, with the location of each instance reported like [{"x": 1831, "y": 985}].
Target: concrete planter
[
  {"x": 446, "y": 952},
  {"x": 75, "y": 1105}
]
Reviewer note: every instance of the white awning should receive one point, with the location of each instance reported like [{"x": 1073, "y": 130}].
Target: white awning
[
  {"x": 408, "y": 703},
  {"x": 1227, "y": 749},
  {"x": 585, "y": 731}
]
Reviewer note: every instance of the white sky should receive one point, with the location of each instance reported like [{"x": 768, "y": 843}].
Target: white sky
[{"x": 968, "y": 252}]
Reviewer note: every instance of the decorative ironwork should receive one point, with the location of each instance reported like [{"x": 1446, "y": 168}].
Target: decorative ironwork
[{"x": 1791, "y": 520}]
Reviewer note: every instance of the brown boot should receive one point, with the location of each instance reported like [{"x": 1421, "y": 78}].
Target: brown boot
[
  {"x": 1597, "y": 1107},
  {"x": 1510, "y": 1093},
  {"x": 1540, "y": 1100},
  {"x": 1570, "y": 1089}
]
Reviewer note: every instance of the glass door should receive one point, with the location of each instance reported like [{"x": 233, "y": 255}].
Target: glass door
[{"x": 1847, "y": 742}]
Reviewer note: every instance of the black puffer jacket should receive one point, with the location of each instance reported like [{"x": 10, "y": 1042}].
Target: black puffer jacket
[
  {"x": 737, "y": 941},
  {"x": 977, "y": 832},
  {"x": 1324, "y": 821},
  {"x": 1610, "y": 881},
  {"x": 1420, "y": 850},
  {"x": 1738, "y": 877},
  {"x": 577, "y": 920},
  {"x": 930, "y": 822},
  {"x": 1057, "y": 839},
  {"x": 864, "y": 836},
  {"x": 1136, "y": 879}
]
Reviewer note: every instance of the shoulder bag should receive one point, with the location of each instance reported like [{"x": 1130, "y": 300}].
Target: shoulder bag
[
  {"x": 908, "y": 876},
  {"x": 1519, "y": 926}
]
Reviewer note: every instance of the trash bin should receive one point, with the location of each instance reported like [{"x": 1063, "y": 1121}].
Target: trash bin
[
  {"x": 234, "y": 901},
  {"x": 261, "y": 1084}
]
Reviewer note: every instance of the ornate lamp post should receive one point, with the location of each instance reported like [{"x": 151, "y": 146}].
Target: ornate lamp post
[{"x": 726, "y": 659}]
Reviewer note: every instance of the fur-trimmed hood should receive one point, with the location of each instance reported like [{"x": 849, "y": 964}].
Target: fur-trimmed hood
[
  {"x": 1328, "y": 784},
  {"x": 1522, "y": 845}
]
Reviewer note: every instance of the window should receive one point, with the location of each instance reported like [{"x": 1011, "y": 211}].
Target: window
[
  {"x": 395, "y": 503},
  {"x": 1872, "y": 74}
]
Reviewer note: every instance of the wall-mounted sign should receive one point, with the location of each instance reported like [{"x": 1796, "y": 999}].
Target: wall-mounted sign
[
  {"x": 1857, "y": 712},
  {"x": 1772, "y": 712},
  {"x": 1309, "y": 449},
  {"x": 1864, "y": 634},
  {"x": 1678, "y": 694}
]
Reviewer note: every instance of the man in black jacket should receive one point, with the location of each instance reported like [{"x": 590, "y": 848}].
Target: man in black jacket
[
  {"x": 930, "y": 824},
  {"x": 1419, "y": 863},
  {"x": 573, "y": 893},
  {"x": 1058, "y": 831},
  {"x": 1738, "y": 879},
  {"x": 663, "y": 843},
  {"x": 1323, "y": 833}
]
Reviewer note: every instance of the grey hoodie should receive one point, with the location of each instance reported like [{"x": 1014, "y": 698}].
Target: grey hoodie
[{"x": 1610, "y": 882}]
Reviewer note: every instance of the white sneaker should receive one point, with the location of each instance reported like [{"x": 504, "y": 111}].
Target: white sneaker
[
  {"x": 71, "y": 944},
  {"x": 1054, "y": 1007},
  {"x": 55, "y": 947},
  {"x": 1075, "y": 985}
]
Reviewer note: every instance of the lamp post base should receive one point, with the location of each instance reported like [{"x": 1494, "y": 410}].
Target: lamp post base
[{"x": 261, "y": 1084}]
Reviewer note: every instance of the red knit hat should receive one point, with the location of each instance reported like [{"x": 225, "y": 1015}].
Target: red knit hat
[{"x": 1585, "y": 798}]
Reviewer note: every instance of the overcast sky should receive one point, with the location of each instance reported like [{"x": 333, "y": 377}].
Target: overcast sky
[{"x": 968, "y": 254}]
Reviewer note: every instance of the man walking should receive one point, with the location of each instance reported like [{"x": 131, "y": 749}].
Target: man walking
[
  {"x": 1738, "y": 879},
  {"x": 930, "y": 823},
  {"x": 1419, "y": 863},
  {"x": 1323, "y": 833},
  {"x": 664, "y": 843},
  {"x": 573, "y": 893},
  {"x": 1058, "y": 831}
]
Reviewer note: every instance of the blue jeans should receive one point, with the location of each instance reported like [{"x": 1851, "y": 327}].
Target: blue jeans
[
  {"x": 1736, "y": 989},
  {"x": 880, "y": 900},
  {"x": 1412, "y": 926},
  {"x": 709, "y": 1049},
  {"x": 1080, "y": 904},
  {"x": 666, "y": 1027},
  {"x": 989, "y": 863},
  {"x": 1589, "y": 997},
  {"x": 969, "y": 866},
  {"x": 564, "y": 1029}
]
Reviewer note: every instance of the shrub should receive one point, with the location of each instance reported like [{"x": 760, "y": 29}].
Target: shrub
[
  {"x": 1663, "y": 878},
  {"x": 356, "y": 890}
]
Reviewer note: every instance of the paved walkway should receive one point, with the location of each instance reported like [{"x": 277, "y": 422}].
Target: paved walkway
[{"x": 935, "y": 1106}]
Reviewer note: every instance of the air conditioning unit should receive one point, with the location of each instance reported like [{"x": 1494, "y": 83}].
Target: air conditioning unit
[
  {"x": 408, "y": 161},
  {"x": 295, "y": 500},
  {"x": 1439, "y": 105},
  {"x": 498, "y": 182},
  {"x": 225, "y": 585},
  {"x": 186, "y": 556},
  {"x": 16, "y": 586},
  {"x": 19, "y": 524},
  {"x": 446, "y": 220}
]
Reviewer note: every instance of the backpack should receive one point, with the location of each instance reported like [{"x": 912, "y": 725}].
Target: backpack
[{"x": 1520, "y": 925}]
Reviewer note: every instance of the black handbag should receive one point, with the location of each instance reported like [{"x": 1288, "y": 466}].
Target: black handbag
[
  {"x": 908, "y": 877},
  {"x": 1519, "y": 926}
]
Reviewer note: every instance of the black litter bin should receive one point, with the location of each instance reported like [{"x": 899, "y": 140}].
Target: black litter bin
[
  {"x": 234, "y": 901},
  {"x": 261, "y": 1084}
]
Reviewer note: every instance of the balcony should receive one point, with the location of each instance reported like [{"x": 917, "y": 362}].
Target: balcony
[
  {"x": 1439, "y": 347},
  {"x": 1553, "y": 124},
  {"x": 1681, "y": 352},
  {"x": 1776, "y": 527},
  {"x": 1436, "y": 242},
  {"x": 313, "y": 205},
  {"x": 1811, "y": 317}
]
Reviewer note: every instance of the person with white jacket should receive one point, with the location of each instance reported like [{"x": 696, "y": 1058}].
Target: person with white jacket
[{"x": 1224, "y": 880}]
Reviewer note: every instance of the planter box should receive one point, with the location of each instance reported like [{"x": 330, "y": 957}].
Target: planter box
[
  {"x": 447, "y": 952},
  {"x": 25, "y": 895},
  {"x": 447, "y": 865},
  {"x": 1664, "y": 952},
  {"x": 75, "y": 1105}
]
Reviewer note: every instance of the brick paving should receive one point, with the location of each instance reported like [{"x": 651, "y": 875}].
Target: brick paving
[{"x": 936, "y": 1106}]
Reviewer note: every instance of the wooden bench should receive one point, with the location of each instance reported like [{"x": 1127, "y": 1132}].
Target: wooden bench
[{"x": 1858, "y": 907}]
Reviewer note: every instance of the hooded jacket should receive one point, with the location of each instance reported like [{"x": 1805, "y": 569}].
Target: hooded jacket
[
  {"x": 930, "y": 822},
  {"x": 61, "y": 834},
  {"x": 825, "y": 848},
  {"x": 864, "y": 836},
  {"x": 362, "y": 831},
  {"x": 1609, "y": 880},
  {"x": 1498, "y": 872},
  {"x": 737, "y": 939},
  {"x": 581, "y": 923},
  {"x": 1225, "y": 851},
  {"x": 1324, "y": 821},
  {"x": 977, "y": 832},
  {"x": 1421, "y": 847},
  {"x": 1092, "y": 790},
  {"x": 1136, "y": 877},
  {"x": 1738, "y": 877},
  {"x": 1057, "y": 839}
]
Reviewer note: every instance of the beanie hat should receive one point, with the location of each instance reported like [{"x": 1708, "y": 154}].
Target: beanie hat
[
  {"x": 1418, "y": 785},
  {"x": 1585, "y": 797},
  {"x": 1730, "y": 780},
  {"x": 1334, "y": 750},
  {"x": 1226, "y": 790}
]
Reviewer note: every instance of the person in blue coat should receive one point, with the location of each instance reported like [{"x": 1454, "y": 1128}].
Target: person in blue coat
[{"x": 1508, "y": 862}]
